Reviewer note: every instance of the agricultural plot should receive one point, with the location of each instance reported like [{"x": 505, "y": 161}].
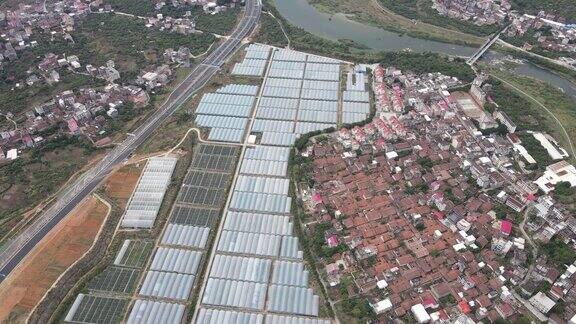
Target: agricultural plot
[
  {"x": 92, "y": 309},
  {"x": 204, "y": 188},
  {"x": 115, "y": 279},
  {"x": 215, "y": 158},
  {"x": 133, "y": 253},
  {"x": 195, "y": 216}
]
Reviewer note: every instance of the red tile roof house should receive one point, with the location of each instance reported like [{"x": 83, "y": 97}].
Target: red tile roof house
[
  {"x": 332, "y": 241},
  {"x": 506, "y": 227}
]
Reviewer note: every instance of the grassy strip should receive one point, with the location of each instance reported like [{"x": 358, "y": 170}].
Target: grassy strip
[
  {"x": 561, "y": 70},
  {"x": 371, "y": 12},
  {"x": 298, "y": 213},
  {"x": 531, "y": 116}
]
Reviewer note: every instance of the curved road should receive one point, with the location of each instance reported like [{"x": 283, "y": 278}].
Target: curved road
[{"x": 18, "y": 248}]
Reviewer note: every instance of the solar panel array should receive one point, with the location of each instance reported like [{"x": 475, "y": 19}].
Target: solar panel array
[
  {"x": 356, "y": 99},
  {"x": 173, "y": 271},
  {"x": 147, "y": 197},
  {"x": 226, "y": 111},
  {"x": 254, "y": 62}
]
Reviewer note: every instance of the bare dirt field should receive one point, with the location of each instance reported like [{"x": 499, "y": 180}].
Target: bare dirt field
[
  {"x": 120, "y": 184},
  {"x": 72, "y": 238}
]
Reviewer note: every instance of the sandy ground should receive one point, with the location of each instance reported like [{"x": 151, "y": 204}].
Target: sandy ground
[
  {"x": 121, "y": 183},
  {"x": 72, "y": 238}
]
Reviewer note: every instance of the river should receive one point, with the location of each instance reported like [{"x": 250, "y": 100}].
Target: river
[{"x": 300, "y": 13}]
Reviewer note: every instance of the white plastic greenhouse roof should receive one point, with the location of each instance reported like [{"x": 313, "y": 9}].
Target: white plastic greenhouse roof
[
  {"x": 147, "y": 197},
  {"x": 349, "y": 118},
  {"x": 261, "y": 125},
  {"x": 234, "y": 293},
  {"x": 288, "y": 55},
  {"x": 240, "y": 268},
  {"x": 356, "y": 107},
  {"x": 258, "y": 223},
  {"x": 153, "y": 312},
  {"x": 217, "y": 316},
  {"x": 308, "y": 104},
  {"x": 260, "y": 202},
  {"x": 356, "y": 96},
  {"x": 276, "y": 113},
  {"x": 290, "y": 274},
  {"x": 290, "y": 248},
  {"x": 249, "y": 243},
  {"x": 279, "y": 103},
  {"x": 168, "y": 285},
  {"x": 257, "y": 51},
  {"x": 294, "y": 300},
  {"x": 262, "y": 185},
  {"x": 280, "y": 139},
  {"x": 185, "y": 235},
  {"x": 239, "y": 89},
  {"x": 321, "y": 85},
  {"x": 176, "y": 260},
  {"x": 284, "y": 319},
  {"x": 226, "y": 135},
  {"x": 322, "y": 75}
]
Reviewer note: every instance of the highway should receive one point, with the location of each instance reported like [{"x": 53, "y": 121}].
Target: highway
[{"x": 19, "y": 247}]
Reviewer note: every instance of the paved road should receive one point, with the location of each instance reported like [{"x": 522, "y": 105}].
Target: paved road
[{"x": 17, "y": 249}]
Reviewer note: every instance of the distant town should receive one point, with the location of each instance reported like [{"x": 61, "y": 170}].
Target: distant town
[{"x": 542, "y": 32}]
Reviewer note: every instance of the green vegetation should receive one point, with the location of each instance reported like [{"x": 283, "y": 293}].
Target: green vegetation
[
  {"x": 447, "y": 300},
  {"x": 565, "y": 195},
  {"x": 38, "y": 174},
  {"x": 529, "y": 37},
  {"x": 356, "y": 310},
  {"x": 562, "y": 8},
  {"x": 221, "y": 24},
  {"x": 297, "y": 210},
  {"x": 537, "y": 151},
  {"x": 319, "y": 242},
  {"x": 299, "y": 38},
  {"x": 427, "y": 63},
  {"x": 422, "y": 10},
  {"x": 146, "y": 8},
  {"x": 271, "y": 32},
  {"x": 520, "y": 109},
  {"x": 544, "y": 63},
  {"x": 371, "y": 13},
  {"x": 529, "y": 115},
  {"x": 131, "y": 44},
  {"x": 559, "y": 253}
]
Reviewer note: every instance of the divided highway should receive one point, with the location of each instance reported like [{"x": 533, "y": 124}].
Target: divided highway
[{"x": 18, "y": 248}]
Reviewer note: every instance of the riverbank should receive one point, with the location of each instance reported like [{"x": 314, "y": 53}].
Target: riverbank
[
  {"x": 373, "y": 13},
  {"x": 536, "y": 105}
]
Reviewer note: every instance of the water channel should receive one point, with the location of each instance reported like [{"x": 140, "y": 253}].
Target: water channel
[{"x": 300, "y": 13}]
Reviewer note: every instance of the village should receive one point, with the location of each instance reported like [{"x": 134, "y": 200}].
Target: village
[
  {"x": 541, "y": 33},
  {"x": 431, "y": 213},
  {"x": 87, "y": 111}
]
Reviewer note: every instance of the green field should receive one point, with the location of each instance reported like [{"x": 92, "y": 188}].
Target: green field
[{"x": 528, "y": 114}]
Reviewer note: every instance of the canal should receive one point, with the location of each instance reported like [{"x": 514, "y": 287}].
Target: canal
[{"x": 300, "y": 13}]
